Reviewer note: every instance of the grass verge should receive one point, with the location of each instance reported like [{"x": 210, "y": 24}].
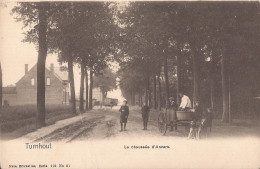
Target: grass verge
[{"x": 20, "y": 120}]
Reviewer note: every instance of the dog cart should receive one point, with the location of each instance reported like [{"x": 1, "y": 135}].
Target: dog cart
[{"x": 171, "y": 118}]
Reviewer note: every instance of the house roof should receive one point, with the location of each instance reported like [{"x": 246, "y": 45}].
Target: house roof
[
  {"x": 9, "y": 90},
  {"x": 61, "y": 74}
]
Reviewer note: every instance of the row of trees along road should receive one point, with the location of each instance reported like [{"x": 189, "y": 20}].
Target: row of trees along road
[
  {"x": 161, "y": 48},
  {"x": 80, "y": 33},
  {"x": 206, "y": 49}
]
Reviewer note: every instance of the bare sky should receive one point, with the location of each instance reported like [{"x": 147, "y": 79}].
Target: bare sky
[{"x": 14, "y": 54}]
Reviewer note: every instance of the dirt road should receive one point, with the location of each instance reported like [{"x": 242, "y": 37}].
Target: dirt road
[
  {"x": 100, "y": 124},
  {"x": 104, "y": 124}
]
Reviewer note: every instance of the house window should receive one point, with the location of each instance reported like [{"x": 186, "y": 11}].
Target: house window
[
  {"x": 48, "y": 81},
  {"x": 32, "y": 82}
]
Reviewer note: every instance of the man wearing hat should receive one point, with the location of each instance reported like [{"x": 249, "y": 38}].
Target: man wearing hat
[
  {"x": 172, "y": 104},
  {"x": 171, "y": 108},
  {"x": 124, "y": 109}
]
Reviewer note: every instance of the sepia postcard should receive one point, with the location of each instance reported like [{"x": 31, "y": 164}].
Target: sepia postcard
[{"x": 130, "y": 84}]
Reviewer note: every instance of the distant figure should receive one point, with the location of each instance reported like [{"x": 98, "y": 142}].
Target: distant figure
[
  {"x": 145, "y": 115},
  {"x": 111, "y": 104},
  {"x": 185, "y": 102},
  {"x": 124, "y": 115},
  {"x": 171, "y": 108}
]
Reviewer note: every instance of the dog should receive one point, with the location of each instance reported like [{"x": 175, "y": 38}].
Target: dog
[
  {"x": 205, "y": 123},
  {"x": 201, "y": 125},
  {"x": 193, "y": 130}
]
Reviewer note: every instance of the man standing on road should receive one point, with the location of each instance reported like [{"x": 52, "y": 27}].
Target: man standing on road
[
  {"x": 185, "y": 102},
  {"x": 111, "y": 104},
  {"x": 145, "y": 115},
  {"x": 171, "y": 109},
  {"x": 124, "y": 115}
]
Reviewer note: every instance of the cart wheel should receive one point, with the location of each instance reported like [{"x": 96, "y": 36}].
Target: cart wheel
[{"x": 162, "y": 123}]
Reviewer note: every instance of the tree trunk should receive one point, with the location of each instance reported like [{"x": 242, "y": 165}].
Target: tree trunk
[
  {"x": 86, "y": 72},
  {"x": 149, "y": 94},
  {"x": 130, "y": 98},
  {"x": 154, "y": 92},
  {"x": 229, "y": 70},
  {"x": 81, "y": 93},
  {"x": 196, "y": 63},
  {"x": 90, "y": 88},
  {"x": 146, "y": 96},
  {"x": 72, "y": 85},
  {"x": 225, "y": 117},
  {"x": 141, "y": 99},
  {"x": 1, "y": 88},
  {"x": 147, "y": 90},
  {"x": 212, "y": 83},
  {"x": 104, "y": 95},
  {"x": 167, "y": 90},
  {"x": 160, "y": 92},
  {"x": 133, "y": 98},
  {"x": 212, "y": 100},
  {"x": 150, "y": 98},
  {"x": 179, "y": 78},
  {"x": 195, "y": 78},
  {"x": 229, "y": 101},
  {"x": 42, "y": 53}
]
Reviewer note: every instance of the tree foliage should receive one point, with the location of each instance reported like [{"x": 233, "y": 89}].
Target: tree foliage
[
  {"x": 207, "y": 49},
  {"x": 106, "y": 80},
  {"x": 200, "y": 36}
]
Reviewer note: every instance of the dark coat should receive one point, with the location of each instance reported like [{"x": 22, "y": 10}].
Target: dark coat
[
  {"x": 171, "y": 111},
  {"x": 145, "y": 113},
  {"x": 145, "y": 109},
  {"x": 124, "y": 114},
  {"x": 173, "y": 106}
]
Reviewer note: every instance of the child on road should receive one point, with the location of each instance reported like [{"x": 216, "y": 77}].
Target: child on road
[{"x": 124, "y": 115}]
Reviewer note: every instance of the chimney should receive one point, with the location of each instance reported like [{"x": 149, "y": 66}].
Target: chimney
[
  {"x": 26, "y": 68},
  {"x": 52, "y": 68}
]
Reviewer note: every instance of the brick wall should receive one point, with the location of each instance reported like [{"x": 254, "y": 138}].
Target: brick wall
[{"x": 27, "y": 93}]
